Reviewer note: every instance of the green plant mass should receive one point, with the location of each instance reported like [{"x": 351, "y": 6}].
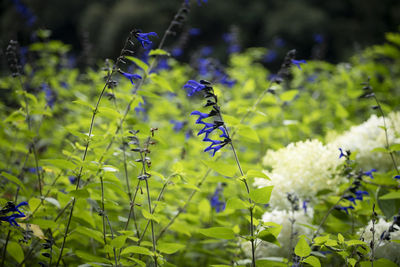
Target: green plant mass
[{"x": 149, "y": 159}]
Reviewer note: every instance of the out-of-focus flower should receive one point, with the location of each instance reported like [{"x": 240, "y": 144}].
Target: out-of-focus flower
[
  {"x": 283, "y": 218},
  {"x": 177, "y": 52},
  {"x": 270, "y": 56},
  {"x": 298, "y": 62},
  {"x": 369, "y": 173},
  {"x": 216, "y": 201},
  {"x": 345, "y": 208},
  {"x": 194, "y": 31},
  {"x": 318, "y": 38},
  {"x": 143, "y": 38},
  {"x": 131, "y": 77},
  {"x": 369, "y": 135},
  {"x": 178, "y": 125},
  {"x": 305, "y": 167},
  {"x": 194, "y": 87}
]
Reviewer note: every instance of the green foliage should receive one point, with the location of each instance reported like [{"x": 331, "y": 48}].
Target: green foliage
[{"x": 111, "y": 218}]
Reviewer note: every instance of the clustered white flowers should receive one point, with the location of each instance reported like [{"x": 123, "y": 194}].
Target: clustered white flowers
[
  {"x": 383, "y": 248},
  {"x": 304, "y": 168},
  {"x": 307, "y": 167},
  {"x": 369, "y": 135}
]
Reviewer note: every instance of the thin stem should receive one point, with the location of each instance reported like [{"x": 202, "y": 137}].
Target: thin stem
[
  {"x": 386, "y": 134},
  {"x": 151, "y": 223},
  {"x": 112, "y": 237}
]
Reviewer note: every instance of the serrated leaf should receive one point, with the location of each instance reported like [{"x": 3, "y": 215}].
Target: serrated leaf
[
  {"x": 138, "y": 62},
  {"x": 169, "y": 248},
  {"x": 119, "y": 241},
  {"x": 218, "y": 232},
  {"x": 249, "y": 133},
  {"x": 236, "y": 204},
  {"x": 313, "y": 261},
  {"x": 109, "y": 113},
  {"x": 136, "y": 250},
  {"x": 150, "y": 216},
  {"x": 302, "y": 248},
  {"x": 221, "y": 168},
  {"x": 261, "y": 195},
  {"x": 256, "y": 174},
  {"x": 158, "y": 52},
  {"x": 289, "y": 95}
]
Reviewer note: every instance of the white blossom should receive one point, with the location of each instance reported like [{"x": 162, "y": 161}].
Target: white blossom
[{"x": 369, "y": 135}]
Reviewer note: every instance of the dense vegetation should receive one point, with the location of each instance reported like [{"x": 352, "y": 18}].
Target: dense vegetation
[{"x": 105, "y": 167}]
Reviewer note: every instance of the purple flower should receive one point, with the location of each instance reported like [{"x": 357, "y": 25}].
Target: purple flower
[
  {"x": 194, "y": 87},
  {"x": 143, "y": 38},
  {"x": 369, "y": 173},
  {"x": 131, "y": 77},
  {"x": 298, "y": 62}
]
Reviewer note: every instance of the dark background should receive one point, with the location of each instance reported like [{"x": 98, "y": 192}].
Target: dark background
[{"x": 100, "y": 27}]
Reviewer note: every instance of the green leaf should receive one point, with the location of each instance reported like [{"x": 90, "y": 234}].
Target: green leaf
[
  {"x": 256, "y": 174},
  {"x": 249, "y": 133},
  {"x": 83, "y": 103},
  {"x": 59, "y": 163},
  {"x": 261, "y": 195},
  {"x": 80, "y": 193},
  {"x": 33, "y": 203},
  {"x": 136, "y": 250},
  {"x": 355, "y": 243},
  {"x": 53, "y": 201},
  {"x": 109, "y": 113},
  {"x": 119, "y": 241},
  {"x": 352, "y": 261},
  {"x": 221, "y": 168},
  {"x": 218, "y": 232},
  {"x": 138, "y": 62},
  {"x": 150, "y": 216},
  {"x": 313, "y": 261},
  {"x": 380, "y": 149},
  {"x": 158, "y": 52},
  {"x": 379, "y": 263},
  {"x": 236, "y": 204},
  {"x": 161, "y": 81},
  {"x": 302, "y": 248},
  {"x": 395, "y": 147},
  {"x": 91, "y": 233},
  {"x": 169, "y": 248},
  {"x": 89, "y": 257},
  {"x": 267, "y": 236},
  {"x": 340, "y": 238},
  {"x": 13, "y": 179},
  {"x": 288, "y": 95},
  {"x": 15, "y": 250},
  {"x": 391, "y": 195}
]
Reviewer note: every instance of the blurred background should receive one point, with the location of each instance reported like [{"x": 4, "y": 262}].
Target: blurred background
[{"x": 96, "y": 29}]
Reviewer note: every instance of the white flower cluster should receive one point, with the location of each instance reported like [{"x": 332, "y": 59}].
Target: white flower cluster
[
  {"x": 385, "y": 249},
  {"x": 369, "y": 135},
  {"x": 303, "y": 168}
]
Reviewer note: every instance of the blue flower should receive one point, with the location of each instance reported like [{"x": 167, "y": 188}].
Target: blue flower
[
  {"x": 234, "y": 48},
  {"x": 194, "y": 31},
  {"x": 215, "y": 200},
  {"x": 341, "y": 153},
  {"x": 143, "y": 38},
  {"x": 298, "y": 62},
  {"x": 359, "y": 194},
  {"x": 177, "y": 52},
  {"x": 318, "y": 38},
  {"x": 12, "y": 208},
  {"x": 206, "y": 51},
  {"x": 178, "y": 125},
  {"x": 72, "y": 179},
  {"x": 346, "y": 209},
  {"x": 25, "y": 12},
  {"x": 270, "y": 56},
  {"x": 397, "y": 177},
  {"x": 131, "y": 77},
  {"x": 279, "y": 42},
  {"x": 50, "y": 96},
  {"x": 194, "y": 87},
  {"x": 369, "y": 173}
]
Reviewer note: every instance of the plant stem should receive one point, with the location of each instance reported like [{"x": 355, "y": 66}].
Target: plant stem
[{"x": 151, "y": 223}]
